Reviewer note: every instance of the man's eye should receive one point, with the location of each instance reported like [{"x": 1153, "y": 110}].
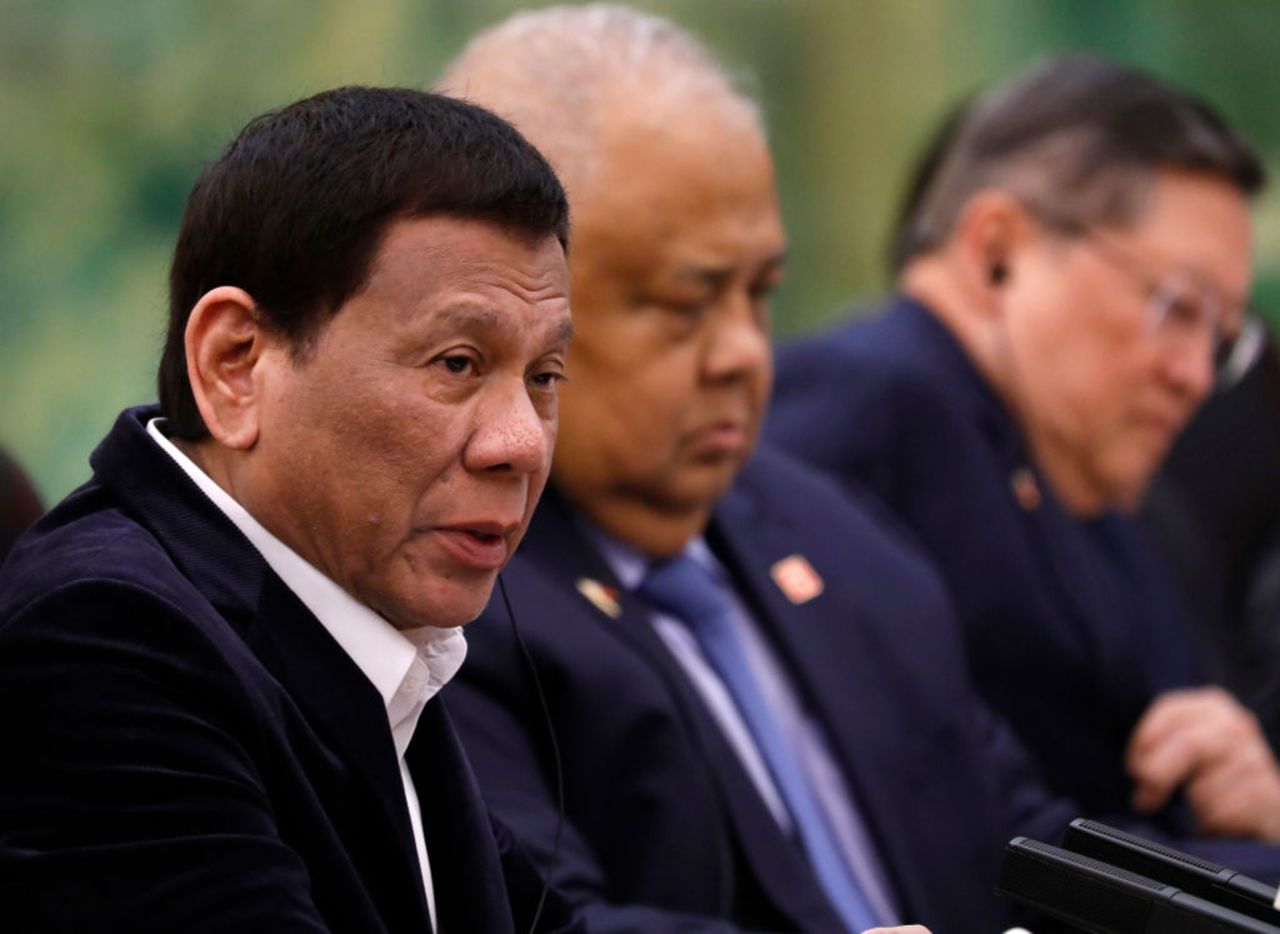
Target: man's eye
[
  {"x": 684, "y": 308},
  {"x": 1185, "y": 311},
  {"x": 549, "y": 379},
  {"x": 762, "y": 290},
  {"x": 458, "y": 364}
]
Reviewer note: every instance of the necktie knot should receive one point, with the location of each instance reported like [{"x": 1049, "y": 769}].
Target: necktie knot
[{"x": 685, "y": 589}]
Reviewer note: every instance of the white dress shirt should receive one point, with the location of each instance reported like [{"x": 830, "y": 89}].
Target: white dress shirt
[
  {"x": 407, "y": 667},
  {"x": 808, "y": 744}
]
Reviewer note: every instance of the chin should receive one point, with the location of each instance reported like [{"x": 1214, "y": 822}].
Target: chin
[
  {"x": 454, "y": 613},
  {"x": 447, "y": 605},
  {"x": 1127, "y": 490},
  {"x": 701, "y": 488}
]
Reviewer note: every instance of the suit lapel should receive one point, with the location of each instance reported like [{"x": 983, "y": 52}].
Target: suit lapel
[
  {"x": 564, "y": 553},
  {"x": 749, "y": 541},
  {"x": 359, "y": 782},
  {"x": 344, "y": 708},
  {"x": 1072, "y": 570},
  {"x": 1050, "y": 530},
  {"x": 466, "y": 872}
]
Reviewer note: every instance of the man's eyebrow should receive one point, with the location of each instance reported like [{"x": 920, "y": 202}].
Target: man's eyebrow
[
  {"x": 564, "y": 333},
  {"x": 711, "y": 276},
  {"x": 716, "y": 276},
  {"x": 476, "y": 319},
  {"x": 472, "y": 318}
]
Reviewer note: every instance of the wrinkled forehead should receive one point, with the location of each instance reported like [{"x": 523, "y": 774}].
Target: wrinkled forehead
[
  {"x": 456, "y": 273},
  {"x": 444, "y": 248},
  {"x": 1197, "y": 224}
]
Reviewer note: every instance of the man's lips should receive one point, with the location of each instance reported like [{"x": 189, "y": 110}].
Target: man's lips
[
  {"x": 482, "y": 544},
  {"x": 720, "y": 439}
]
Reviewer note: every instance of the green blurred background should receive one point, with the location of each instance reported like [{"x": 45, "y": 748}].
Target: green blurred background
[{"x": 109, "y": 108}]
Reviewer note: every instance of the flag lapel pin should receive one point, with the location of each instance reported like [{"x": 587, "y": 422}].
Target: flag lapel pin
[
  {"x": 797, "y": 579},
  {"x": 605, "y": 599}
]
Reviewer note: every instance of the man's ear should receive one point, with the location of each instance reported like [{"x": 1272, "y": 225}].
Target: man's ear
[
  {"x": 225, "y": 340},
  {"x": 991, "y": 231}
]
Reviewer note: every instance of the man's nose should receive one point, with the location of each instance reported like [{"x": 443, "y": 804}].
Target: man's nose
[
  {"x": 511, "y": 434},
  {"x": 739, "y": 339},
  {"x": 1189, "y": 364}
]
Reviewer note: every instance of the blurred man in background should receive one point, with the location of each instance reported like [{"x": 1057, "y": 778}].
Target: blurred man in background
[{"x": 1073, "y": 269}]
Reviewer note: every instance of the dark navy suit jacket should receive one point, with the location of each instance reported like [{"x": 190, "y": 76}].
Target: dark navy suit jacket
[
  {"x": 1072, "y": 628},
  {"x": 187, "y": 749},
  {"x": 664, "y": 831}
]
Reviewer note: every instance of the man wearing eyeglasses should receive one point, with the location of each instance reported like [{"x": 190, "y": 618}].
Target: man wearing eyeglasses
[{"x": 1072, "y": 264}]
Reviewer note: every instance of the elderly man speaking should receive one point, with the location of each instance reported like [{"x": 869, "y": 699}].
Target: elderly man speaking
[{"x": 219, "y": 658}]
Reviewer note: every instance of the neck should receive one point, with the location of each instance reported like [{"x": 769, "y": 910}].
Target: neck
[
  {"x": 1068, "y": 482},
  {"x": 219, "y": 465},
  {"x": 658, "y": 533},
  {"x": 983, "y": 337},
  {"x": 934, "y": 283},
  {"x": 204, "y": 456}
]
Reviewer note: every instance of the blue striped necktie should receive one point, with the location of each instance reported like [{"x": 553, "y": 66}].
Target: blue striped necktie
[{"x": 685, "y": 589}]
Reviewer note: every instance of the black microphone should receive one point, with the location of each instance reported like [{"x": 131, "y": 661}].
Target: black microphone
[
  {"x": 1212, "y": 882},
  {"x": 1104, "y": 899}
]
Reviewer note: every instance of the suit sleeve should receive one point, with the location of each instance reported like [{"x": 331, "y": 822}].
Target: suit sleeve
[
  {"x": 876, "y": 430},
  {"x": 534, "y": 900},
  {"x": 130, "y": 799},
  {"x": 1031, "y": 810},
  {"x": 505, "y": 739},
  {"x": 828, "y": 413}
]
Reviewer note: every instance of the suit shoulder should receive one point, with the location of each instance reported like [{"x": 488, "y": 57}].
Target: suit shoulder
[
  {"x": 539, "y": 608},
  {"x": 818, "y": 508},
  {"x": 856, "y": 362},
  {"x": 845, "y": 400},
  {"x": 86, "y": 537},
  {"x": 99, "y": 571}
]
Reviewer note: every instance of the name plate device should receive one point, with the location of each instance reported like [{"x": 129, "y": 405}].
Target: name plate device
[{"x": 1101, "y": 898}]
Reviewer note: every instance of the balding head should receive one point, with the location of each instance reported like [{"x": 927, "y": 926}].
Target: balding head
[
  {"x": 676, "y": 245},
  {"x": 557, "y": 74}
]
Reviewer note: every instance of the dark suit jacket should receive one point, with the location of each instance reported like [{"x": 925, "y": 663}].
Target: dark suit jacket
[
  {"x": 187, "y": 749},
  {"x": 1214, "y": 513},
  {"x": 1071, "y": 627},
  {"x": 664, "y": 830}
]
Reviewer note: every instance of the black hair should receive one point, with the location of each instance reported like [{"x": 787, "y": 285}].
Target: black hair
[
  {"x": 295, "y": 208},
  {"x": 1080, "y": 131}
]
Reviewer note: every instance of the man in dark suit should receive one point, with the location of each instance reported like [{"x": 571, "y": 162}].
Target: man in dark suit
[
  {"x": 219, "y": 658},
  {"x": 1073, "y": 268},
  {"x": 740, "y": 660}
]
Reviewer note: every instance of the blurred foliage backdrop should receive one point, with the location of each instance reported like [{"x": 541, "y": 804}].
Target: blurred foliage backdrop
[{"x": 109, "y": 108}]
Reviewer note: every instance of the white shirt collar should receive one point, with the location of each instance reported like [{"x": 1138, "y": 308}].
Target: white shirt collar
[
  {"x": 407, "y": 667},
  {"x": 630, "y": 565}
]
